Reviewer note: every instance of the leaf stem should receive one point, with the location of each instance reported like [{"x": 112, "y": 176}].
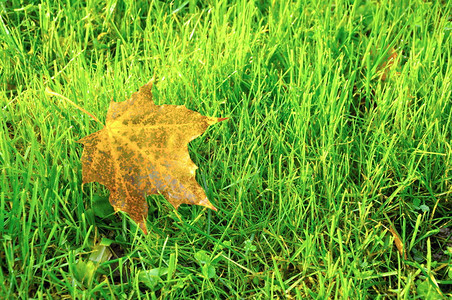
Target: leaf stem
[{"x": 50, "y": 92}]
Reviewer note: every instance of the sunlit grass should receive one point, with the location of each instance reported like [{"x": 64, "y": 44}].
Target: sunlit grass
[{"x": 319, "y": 165}]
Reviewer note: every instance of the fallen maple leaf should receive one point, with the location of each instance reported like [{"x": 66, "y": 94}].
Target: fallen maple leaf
[{"x": 143, "y": 150}]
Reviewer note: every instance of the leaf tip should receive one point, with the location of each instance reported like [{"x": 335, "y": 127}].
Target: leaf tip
[
  {"x": 213, "y": 120},
  {"x": 206, "y": 203},
  {"x": 147, "y": 88},
  {"x": 142, "y": 225}
]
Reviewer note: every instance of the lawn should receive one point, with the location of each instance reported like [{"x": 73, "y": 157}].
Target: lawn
[{"x": 332, "y": 176}]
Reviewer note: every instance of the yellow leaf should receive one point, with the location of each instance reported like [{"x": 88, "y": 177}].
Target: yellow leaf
[{"x": 143, "y": 150}]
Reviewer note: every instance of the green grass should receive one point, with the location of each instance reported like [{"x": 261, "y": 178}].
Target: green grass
[{"x": 318, "y": 166}]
